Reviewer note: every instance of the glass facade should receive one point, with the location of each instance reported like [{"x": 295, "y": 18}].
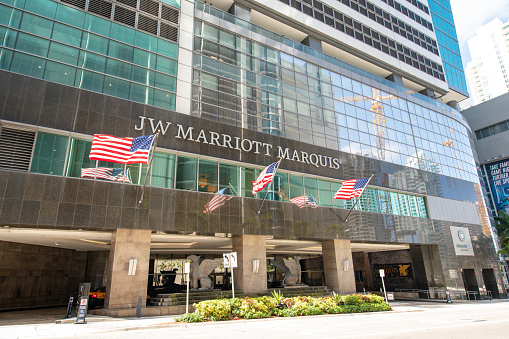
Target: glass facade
[
  {"x": 61, "y": 155},
  {"x": 55, "y": 42},
  {"x": 448, "y": 45},
  {"x": 241, "y": 82}
]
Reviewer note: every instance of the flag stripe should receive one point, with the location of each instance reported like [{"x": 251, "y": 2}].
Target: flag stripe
[
  {"x": 304, "y": 201},
  {"x": 121, "y": 150},
  {"x": 265, "y": 177},
  {"x": 112, "y": 174},
  {"x": 351, "y": 188},
  {"x": 218, "y": 200}
]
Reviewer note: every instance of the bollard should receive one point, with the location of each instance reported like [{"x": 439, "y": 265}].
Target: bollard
[{"x": 138, "y": 311}]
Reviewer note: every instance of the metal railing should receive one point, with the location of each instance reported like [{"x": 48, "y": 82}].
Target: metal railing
[{"x": 436, "y": 294}]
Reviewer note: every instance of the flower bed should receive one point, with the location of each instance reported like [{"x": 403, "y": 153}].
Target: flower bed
[{"x": 278, "y": 306}]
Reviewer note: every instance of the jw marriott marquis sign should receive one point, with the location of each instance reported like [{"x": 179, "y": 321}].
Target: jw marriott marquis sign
[{"x": 237, "y": 143}]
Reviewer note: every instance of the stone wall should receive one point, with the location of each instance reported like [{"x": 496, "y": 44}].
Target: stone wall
[{"x": 32, "y": 275}]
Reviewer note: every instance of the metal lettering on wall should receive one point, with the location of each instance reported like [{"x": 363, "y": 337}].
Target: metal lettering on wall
[
  {"x": 393, "y": 270},
  {"x": 238, "y": 143}
]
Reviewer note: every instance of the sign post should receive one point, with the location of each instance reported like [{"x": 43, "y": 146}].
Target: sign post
[
  {"x": 68, "y": 314},
  {"x": 382, "y": 275},
  {"x": 187, "y": 269},
  {"x": 82, "y": 311},
  {"x": 230, "y": 261}
]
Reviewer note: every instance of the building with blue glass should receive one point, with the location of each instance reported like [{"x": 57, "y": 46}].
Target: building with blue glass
[{"x": 337, "y": 90}]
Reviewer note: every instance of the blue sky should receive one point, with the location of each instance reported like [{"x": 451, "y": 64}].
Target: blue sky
[{"x": 470, "y": 14}]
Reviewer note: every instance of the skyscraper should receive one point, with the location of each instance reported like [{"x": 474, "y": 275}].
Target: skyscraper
[
  {"x": 337, "y": 90},
  {"x": 487, "y": 72}
]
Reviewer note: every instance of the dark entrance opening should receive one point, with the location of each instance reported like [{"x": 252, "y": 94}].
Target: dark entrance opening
[
  {"x": 470, "y": 282},
  {"x": 490, "y": 282}
]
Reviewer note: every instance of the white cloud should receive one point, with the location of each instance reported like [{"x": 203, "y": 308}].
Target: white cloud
[{"x": 470, "y": 14}]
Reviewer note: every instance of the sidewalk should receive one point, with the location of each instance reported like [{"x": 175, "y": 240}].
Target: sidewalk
[{"x": 98, "y": 325}]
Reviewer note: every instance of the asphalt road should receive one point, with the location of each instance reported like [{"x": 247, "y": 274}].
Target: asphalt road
[{"x": 408, "y": 320}]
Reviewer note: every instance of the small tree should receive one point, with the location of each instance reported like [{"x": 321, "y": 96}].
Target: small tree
[{"x": 502, "y": 226}]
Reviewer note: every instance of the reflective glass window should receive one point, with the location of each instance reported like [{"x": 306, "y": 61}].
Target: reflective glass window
[
  {"x": 69, "y": 15},
  {"x": 166, "y": 82},
  {"x": 118, "y": 68},
  {"x": 168, "y": 48},
  {"x": 296, "y": 186},
  {"x": 163, "y": 170},
  {"x": 164, "y": 99},
  {"x": 144, "y": 58},
  {"x": 228, "y": 178},
  {"x": 186, "y": 173},
  {"x": 146, "y": 41},
  {"x": 67, "y": 34},
  {"x": 60, "y": 73},
  {"x": 31, "y": 44},
  {"x": 281, "y": 188},
  {"x": 92, "y": 61},
  {"x": 49, "y": 154},
  {"x": 90, "y": 80},
  {"x": 207, "y": 176},
  {"x": 246, "y": 178},
  {"x": 121, "y": 51},
  {"x": 28, "y": 65},
  {"x": 45, "y": 8},
  {"x": 95, "y": 43},
  {"x": 10, "y": 17},
  {"x": 166, "y": 65},
  {"x": 63, "y": 53},
  {"x": 36, "y": 25},
  {"x": 116, "y": 87},
  {"x": 140, "y": 93},
  {"x": 324, "y": 192},
  {"x": 97, "y": 25},
  {"x": 122, "y": 33}
]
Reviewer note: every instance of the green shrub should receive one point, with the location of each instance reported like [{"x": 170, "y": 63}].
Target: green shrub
[
  {"x": 285, "y": 312},
  {"x": 267, "y": 301},
  {"x": 214, "y": 310},
  {"x": 190, "y": 318},
  {"x": 374, "y": 299},
  {"x": 311, "y": 310},
  {"x": 350, "y": 308},
  {"x": 354, "y": 299}
]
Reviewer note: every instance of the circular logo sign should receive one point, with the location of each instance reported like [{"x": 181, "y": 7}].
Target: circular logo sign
[{"x": 461, "y": 235}]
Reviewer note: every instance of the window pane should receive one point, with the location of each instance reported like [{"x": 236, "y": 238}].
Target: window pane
[
  {"x": 167, "y": 48},
  {"x": 166, "y": 82},
  {"x": 207, "y": 176},
  {"x": 374, "y": 204},
  {"x": 94, "y": 43},
  {"x": 166, "y": 65},
  {"x": 163, "y": 170},
  {"x": 49, "y": 154},
  {"x": 97, "y": 25},
  {"x": 91, "y": 81},
  {"x": 414, "y": 208},
  {"x": 422, "y": 207},
  {"x": 67, "y": 34},
  {"x": 395, "y": 203},
  {"x": 121, "y": 51},
  {"x": 70, "y": 15},
  {"x": 32, "y": 44},
  {"x": 338, "y": 203},
  {"x": 60, "y": 73},
  {"x": 146, "y": 41},
  {"x": 36, "y": 25},
  {"x": 310, "y": 187},
  {"x": 8, "y": 36},
  {"x": 10, "y": 17},
  {"x": 385, "y": 202},
  {"x": 296, "y": 186},
  {"x": 28, "y": 65},
  {"x": 281, "y": 188},
  {"x": 186, "y": 173},
  {"x": 403, "y": 204},
  {"x": 140, "y": 93},
  {"x": 145, "y": 59},
  {"x": 116, "y": 87},
  {"x": 118, "y": 68},
  {"x": 143, "y": 76},
  {"x": 122, "y": 33},
  {"x": 63, "y": 53},
  {"x": 164, "y": 99},
  {"x": 5, "y": 59},
  {"x": 246, "y": 178},
  {"x": 45, "y": 8},
  {"x": 92, "y": 61},
  {"x": 324, "y": 193},
  {"x": 228, "y": 178},
  {"x": 79, "y": 157}
]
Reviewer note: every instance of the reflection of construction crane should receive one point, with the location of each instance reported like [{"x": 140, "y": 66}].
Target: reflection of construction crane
[{"x": 378, "y": 117}]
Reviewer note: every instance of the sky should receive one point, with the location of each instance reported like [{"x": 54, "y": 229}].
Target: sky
[{"x": 470, "y": 14}]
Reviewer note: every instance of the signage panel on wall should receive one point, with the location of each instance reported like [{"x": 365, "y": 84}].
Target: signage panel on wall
[
  {"x": 394, "y": 270},
  {"x": 498, "y": 178},
  {"x": 461, "y": 240}
]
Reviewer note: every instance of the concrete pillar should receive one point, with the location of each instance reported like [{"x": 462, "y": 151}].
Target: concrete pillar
[
  {"x": 335, "y": 254},
  {"x": 427, "y": 92},
  {"x": 240, "y": 11},
  {"x": 395, "y": 78},
  {"x": 122, "y": 289},
  {"x": 249, "y": 248},
  {"x": 454, "y": 104},
  {"x": 313, "y": 42}
]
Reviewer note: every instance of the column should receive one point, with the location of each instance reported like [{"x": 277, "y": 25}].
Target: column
[
  {"x": 395, "y": 78},
  {"x": 240, "y": 11},
  {"x": 312, "y": 42},
  {"x": 338, "y": 265},
  {"x": 122, "y": 289},
  {"x": 249, "y": 248}
]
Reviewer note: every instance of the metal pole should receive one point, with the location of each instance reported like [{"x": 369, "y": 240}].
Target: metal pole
[
  {"x": 187, "y": 293},
  {"x": 385, "y": 292},
  {"x": 266, "y": 193},
  {"x": 233, "y": 284}
]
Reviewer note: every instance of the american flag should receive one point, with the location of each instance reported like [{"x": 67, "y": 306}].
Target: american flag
[
  {"x": 121, "y": 150},
  {"x": 304, "y": 201},
  {"x": 351, "y": 188},
  {"x": 113, "y": 174},
  {"x": 218, "y": 200},
  {"x": 265, "y": 177}
]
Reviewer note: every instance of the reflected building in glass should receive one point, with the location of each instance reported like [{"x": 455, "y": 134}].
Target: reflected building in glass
[{"x": 343, "y": 90}]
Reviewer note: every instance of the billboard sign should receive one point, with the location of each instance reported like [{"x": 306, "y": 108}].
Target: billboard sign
[
  {"x": 461, "y": 241},
  {"x": 498, "y": 178}
]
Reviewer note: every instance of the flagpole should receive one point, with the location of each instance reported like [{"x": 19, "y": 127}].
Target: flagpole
[
  {"x": 358, "y": 198},
  {"x": 266, "y": 193},
  {"x": 95, "y": 172},
  {"x": 154, "y": 143},
  {"x": 125, "y": 170}
]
